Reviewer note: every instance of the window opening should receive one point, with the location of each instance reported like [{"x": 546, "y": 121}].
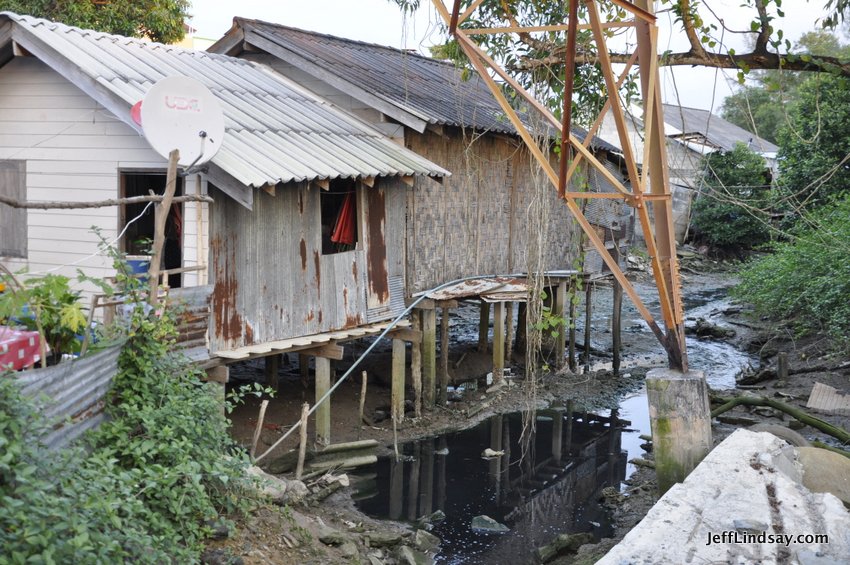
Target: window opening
[
  {"x": 339, "y": 217},
  {"x": 138, "y": 238}
]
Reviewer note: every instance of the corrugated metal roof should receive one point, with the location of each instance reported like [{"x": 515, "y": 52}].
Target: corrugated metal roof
[
  {"x": 714, "y": 128},
  {"x": 276, "y": 131},
  {"x": 432, "y": 90}
]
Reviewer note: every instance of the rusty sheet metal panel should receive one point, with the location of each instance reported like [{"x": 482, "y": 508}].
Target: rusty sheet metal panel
[
  {"x": 193, "y": 314},
  {"x": 72, "y": 393},
  {"x": 377, "y": 272},
  {"x": 343, "y": 290}
]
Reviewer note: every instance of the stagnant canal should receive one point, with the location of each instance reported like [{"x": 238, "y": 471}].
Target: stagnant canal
[{"x": 550, "y": 482}]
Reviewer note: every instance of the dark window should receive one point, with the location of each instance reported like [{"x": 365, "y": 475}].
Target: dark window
[
  {"x": 339, "y": 217},
  {"x": 138, "y": 237},
  {"x": 13, "y": 221}
]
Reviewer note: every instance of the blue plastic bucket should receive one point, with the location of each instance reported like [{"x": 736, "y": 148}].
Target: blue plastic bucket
[{"x": 139, "y": 264}]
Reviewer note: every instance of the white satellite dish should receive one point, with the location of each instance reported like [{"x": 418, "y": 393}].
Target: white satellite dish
[{"x": 181, "y": 113}]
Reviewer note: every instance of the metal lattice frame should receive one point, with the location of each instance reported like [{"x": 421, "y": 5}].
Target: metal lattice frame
[{"x": 659, "y": 235}]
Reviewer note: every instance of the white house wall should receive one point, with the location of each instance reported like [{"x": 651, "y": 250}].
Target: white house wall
[{"x": 74, "y": 150}]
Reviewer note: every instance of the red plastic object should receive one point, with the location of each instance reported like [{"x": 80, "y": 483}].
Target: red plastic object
[{"x": 19, "y": 349}]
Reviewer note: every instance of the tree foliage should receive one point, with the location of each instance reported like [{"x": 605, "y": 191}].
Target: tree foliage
[
  {"x": 736, "y": 192},
  {"x": 159, "y": 20},
  {"x": 806, "y": 280}
]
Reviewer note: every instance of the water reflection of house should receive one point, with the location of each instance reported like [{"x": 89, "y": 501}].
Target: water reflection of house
[
  {"x": 551, "y": 489},
  {"x": 691, "y": 134}
]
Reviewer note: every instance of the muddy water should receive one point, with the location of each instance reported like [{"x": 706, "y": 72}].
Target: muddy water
[{"x": 551, "y": 482}]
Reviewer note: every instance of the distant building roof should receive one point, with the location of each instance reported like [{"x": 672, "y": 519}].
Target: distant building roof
[
  {"x": 714, "y": 129},
  {"x": 276, "y": 131},
  {"x": 412, "y": 89}
]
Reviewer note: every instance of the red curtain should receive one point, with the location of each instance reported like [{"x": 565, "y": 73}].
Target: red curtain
[{"x": 345, "y": 229}]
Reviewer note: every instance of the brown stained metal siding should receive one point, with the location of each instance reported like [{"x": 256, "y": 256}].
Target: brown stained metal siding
[
  {"x": 228, "y": 323},
  {"x": 303, "y": 255},
  {"x": 376, "y": 254}
]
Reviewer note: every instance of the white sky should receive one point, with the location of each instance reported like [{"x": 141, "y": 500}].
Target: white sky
[{"x": 380, "y": 21}]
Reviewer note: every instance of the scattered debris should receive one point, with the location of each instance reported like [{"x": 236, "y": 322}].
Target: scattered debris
[
  {"x": 828, "y": 399},
  {"x": 490, "y": 453},
  {"x": 564, "y": 543}
]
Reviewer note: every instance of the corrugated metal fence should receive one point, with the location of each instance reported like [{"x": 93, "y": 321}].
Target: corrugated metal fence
[{"x": 72, "y": 394}]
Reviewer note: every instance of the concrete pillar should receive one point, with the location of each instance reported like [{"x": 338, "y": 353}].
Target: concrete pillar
[
  {"x": 397, "y": 402},
  {"x": 323, "y": 412},
  {"x": 429, "y": 358},
  {"x": 416, "y": 365},
  {"x": 680, "y": 417}
]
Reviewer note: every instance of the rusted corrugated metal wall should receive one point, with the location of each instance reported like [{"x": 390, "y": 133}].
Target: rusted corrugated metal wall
[
  {"x": 271, "y": 281},
  {"x": 476, "y": 221},
  {"x": 71, "y": 394}
]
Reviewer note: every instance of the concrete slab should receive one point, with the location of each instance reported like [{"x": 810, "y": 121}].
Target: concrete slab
[{"x": 745, "y": 503}]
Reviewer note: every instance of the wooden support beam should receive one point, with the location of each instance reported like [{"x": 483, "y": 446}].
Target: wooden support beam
[
  {"x": 161, "y": 211},
  {"x": 443, "y": 392},
  {"x": 416, "y": 365},
  {"x": 616, "y": 319},
  {"x": 219, "y": 374},
  {"x": 271, "y": 368},
  {"x": 328, "y": 350},
  {"x": 323, "y": 411},
  {"x": 571, "y": 353},
  {"x": 588, "y": 320},
  {"x": 406, "y": 334},
  {"x": 397, "y": 403},
  {"x": 560, "y": 310},
  {"x": 483, "y": 326},
  {"x": 304, "y": 369},
  {"x": 521, "y": 327},
  {"x": 429, "y": 304},
  {"x": 429, "y": 358},
  {"x": 498, "y": 342}
]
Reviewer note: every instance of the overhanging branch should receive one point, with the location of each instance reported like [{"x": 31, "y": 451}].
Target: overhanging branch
[{"x": 100, "y": 203}]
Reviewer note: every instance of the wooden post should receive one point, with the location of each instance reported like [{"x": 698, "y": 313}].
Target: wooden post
[
  {"x": 509, "y": 333},
  {"x": 426, "y": 480},
  {"x": 616, "y": 316},
  {"x": 161, "y": 211},
  {"x": 521, "y": 326},
  {"x": 413, "y": 485},
  {"x": 363, "y": 382},
  {"x": 588, "y": 317},
  {"x": 429, "y": 357},
  {"x": 272, "y": 365},
  {"x": 782, "y": 366},
  {"x": 396, "y": 488},
  {"x": 304, "y": 369},
  {"x": 443, "y": 393},
  {"x": 557, "y": 435},
  {"x": 302, "y": 445},
  {"x": 397, "y": 403},
  {"x": 323, "y": 411},
  {"x": 483, "y": 326},
  {"x": 560, "y": 311},
  {"x": 498, "y": 343},
  {"x": 416, "y": 366},
  {"x": 680, "y": 418},
  {"x": 259, "y": 429},
  {"x": 571, "y": 354}
]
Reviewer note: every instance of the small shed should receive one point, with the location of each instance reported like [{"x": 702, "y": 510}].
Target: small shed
[{"x": 306, "y": 232}]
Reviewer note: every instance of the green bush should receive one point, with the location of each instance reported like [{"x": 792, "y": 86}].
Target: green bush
[
  {"x": 147, "y": 483},
  {"x": 735, "y": 195},
  {"x": 806, "y": 281}
]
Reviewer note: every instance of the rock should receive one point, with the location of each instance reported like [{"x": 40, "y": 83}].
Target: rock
[
  {"x": 487, "y": 524},
  {"x": 219, "y": 557},
  {"x": 426, "y": 541},
  {"x": 825, "y": 471},
  {"x": 219, "y": 530},
  {"x": 329, "y": 536},
  {"x": 749, "y": 525},
  {"x": 611, "y": 496},
  {"x": 348, "y": 549},
  {"x": 781, "y": 432},
  {"x": 704, "y": 328},
  {"x": 383, "y": 539},
  {"x": 296, "y": 491},
  {"x": 564, "y": 543},
  {"x": 487, "y": 453},
  {"x": 437, "y": 516},
  {"x": 409, "y": 556},
  {"x": 341, "y": 479},
  {"x": 375, "y": 560},
  {"x": 270, "y": 486}
]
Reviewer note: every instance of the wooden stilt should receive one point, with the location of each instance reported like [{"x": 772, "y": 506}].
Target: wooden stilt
[
  {"x": 498, "y": 343},
  {"x": 557, "y": 435},
  {"x": 521, "y": 326},
  {"x": 560, "y": 311},
  {"x": 616, "y": 317},
  {"x": 398, "y": 381},
  {"x": 509, "y": 333},
  {"x": 271, "y": 368},
  {"x": 429, "y": 358},
  {"x": 680, "y": 418},
  {"x": 441, "y": 473},
  {"x": 161, "y": 212},
  {"x": 443, "y": 392},
  {"x": 323, "y": 412},
  {"x": 416, "y": 365},
  {"x": 304, "y": 369},
  {"x": 413, "y": 485},
  {"x": 259, "y": 429},
  {"x": 483, "y": 326},
  {"x": 364, "y": 381},
  {"x": 302, "y": 445},
  {"x": 571, "y": 354},
  {"x": 396, "y": 488},
  {"x": 588, "y": 317}
]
